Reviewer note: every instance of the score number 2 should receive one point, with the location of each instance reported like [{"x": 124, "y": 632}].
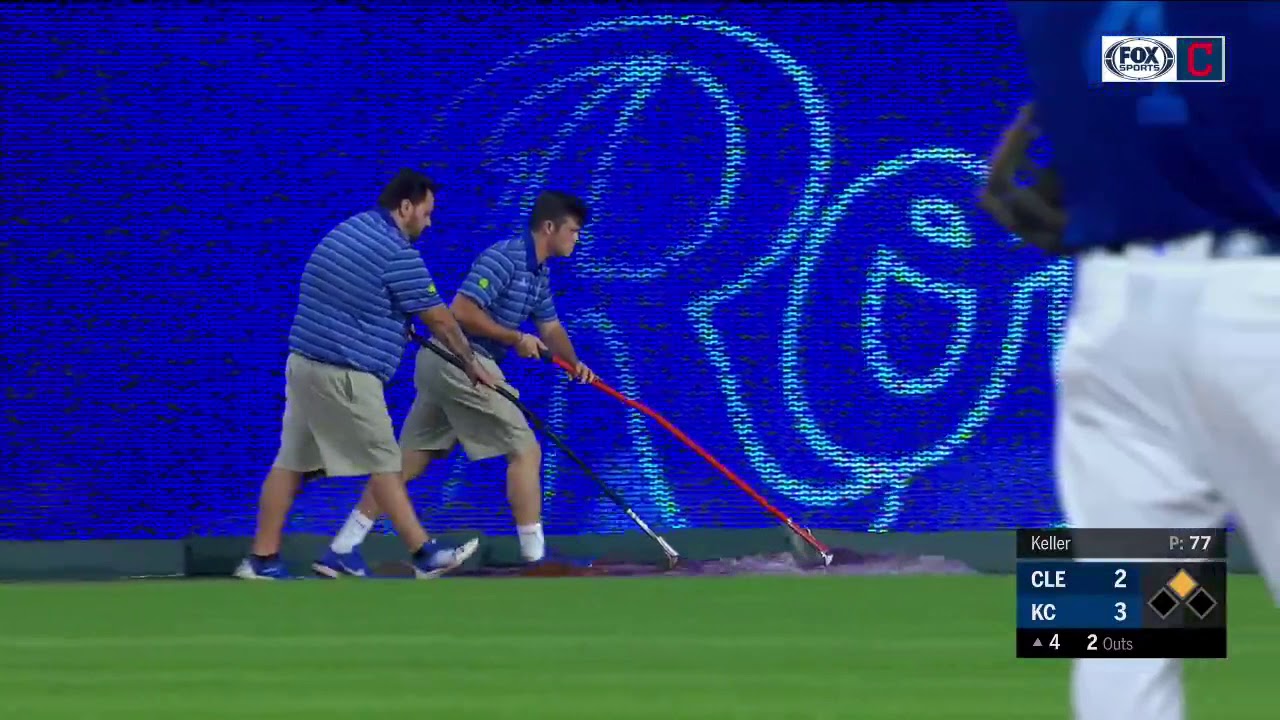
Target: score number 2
[{"x": 1163, "y": 105}]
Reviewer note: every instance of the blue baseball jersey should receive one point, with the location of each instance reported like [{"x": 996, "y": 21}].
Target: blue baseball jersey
[
  {"x": 509, "y": 283},
  {"x": 1154, "y": 161},
  {"x": 359, "y": 288}
]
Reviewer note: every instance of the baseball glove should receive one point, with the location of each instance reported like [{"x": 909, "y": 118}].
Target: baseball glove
[{"x": 1031, "y": 211}]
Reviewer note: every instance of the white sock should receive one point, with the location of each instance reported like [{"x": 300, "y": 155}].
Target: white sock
[
  {"x": 532, "y": 545},
  {"x": 353, "y": 532}
]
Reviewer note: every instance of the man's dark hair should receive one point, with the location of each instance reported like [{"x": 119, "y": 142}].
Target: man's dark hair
[
  {"x": 408, "y": 185},
  {"x": 556, "y": 206}
]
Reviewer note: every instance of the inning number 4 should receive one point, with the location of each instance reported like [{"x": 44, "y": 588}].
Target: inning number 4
[{"x": 1163, "y": 105}]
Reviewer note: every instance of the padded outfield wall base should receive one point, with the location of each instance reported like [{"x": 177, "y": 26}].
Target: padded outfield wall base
[
  {"x": 985, "y": 552},
  {"x": 92, "y": 559}
]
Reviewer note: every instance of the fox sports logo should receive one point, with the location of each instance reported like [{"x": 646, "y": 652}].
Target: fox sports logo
[{"x": 1139, "y": 58}]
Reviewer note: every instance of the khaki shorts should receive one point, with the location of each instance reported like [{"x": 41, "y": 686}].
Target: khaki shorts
[
  {"x": 449, "y": 410},
  {"x": 335, "y": 422}
]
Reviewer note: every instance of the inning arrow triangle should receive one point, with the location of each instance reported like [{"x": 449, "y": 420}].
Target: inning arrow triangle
[{"x": 1036, "y": 643}]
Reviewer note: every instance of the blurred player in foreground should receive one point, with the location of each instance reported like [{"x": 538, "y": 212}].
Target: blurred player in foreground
[
  {"x": 1169, "y": 375},
  {"x": 363, "y": 282},
  {"x": 508, "y": 284}
]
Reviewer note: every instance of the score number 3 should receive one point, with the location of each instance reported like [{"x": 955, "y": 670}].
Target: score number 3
[{"x": 1163, "y": 106}]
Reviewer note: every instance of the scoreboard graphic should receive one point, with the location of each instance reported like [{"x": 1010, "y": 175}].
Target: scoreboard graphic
[{"x": 1122, "y": 593}]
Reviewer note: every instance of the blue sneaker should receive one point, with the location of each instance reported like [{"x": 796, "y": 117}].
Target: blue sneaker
[
  {"x": 440, "y": 559},
  {"x": 252, "y": 568},
  {"x": 335, "y": 565},
  {"x": 555, "y": 564}
]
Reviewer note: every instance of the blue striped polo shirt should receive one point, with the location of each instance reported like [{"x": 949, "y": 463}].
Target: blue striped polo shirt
[
  {"x": 359, "y": 288},
  {"x": 509, "y": 283}
]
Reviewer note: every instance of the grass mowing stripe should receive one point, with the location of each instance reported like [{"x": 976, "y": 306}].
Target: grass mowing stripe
[{"x": 37, "y": 642}]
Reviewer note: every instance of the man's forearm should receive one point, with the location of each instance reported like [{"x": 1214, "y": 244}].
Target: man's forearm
[
  {"x": 444, "y": 326},
  {"x": 477, "y": 323},
  {"x": 556, "y": 338}
]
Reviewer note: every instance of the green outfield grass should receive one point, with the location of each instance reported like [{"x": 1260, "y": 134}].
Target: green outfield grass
[{"x": 907, "y": 648}]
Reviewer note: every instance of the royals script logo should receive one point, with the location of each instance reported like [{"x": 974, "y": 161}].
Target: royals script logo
[{"x": 693, "y": 135}]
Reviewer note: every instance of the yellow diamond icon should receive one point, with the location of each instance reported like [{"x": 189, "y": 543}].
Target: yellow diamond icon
[{"x": 1183, "y": 584}]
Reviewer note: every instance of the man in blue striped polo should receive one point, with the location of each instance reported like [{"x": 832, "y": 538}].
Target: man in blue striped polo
[
  {"x": 362, "y": 284},
  {"x": 508, "y": 284}
]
